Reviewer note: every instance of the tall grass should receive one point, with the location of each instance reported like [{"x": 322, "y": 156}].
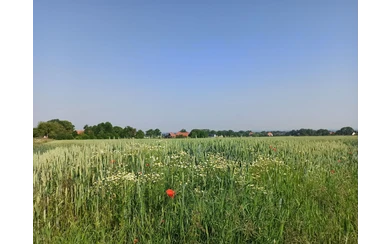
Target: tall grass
[{"x": 250, "y": 190}]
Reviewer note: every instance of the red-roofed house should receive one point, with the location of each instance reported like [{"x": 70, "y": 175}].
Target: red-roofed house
[
  {"x": 79, "y": 132},
  {"x": 182, "y": 134},
  {"x": 178, "y": 134},
  {"x": 171, "y": 135}
]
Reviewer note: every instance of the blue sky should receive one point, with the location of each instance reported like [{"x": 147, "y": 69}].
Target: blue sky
[{"x": 241, "y": 65}]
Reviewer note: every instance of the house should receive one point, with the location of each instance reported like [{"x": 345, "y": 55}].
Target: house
[
  {"x": 251, "y": 133},
  {"x": 182, "y": 134},
  {"x": 332, "y": 133},
  {"x": 212, "y": 135},
  {"x": 79, "y": 132},
  {"x": 270, "y": 134},
  {"x": 171, "y": 135},
  {"x": 353, "y": 133},
  {"x": 178, "y": 134}
]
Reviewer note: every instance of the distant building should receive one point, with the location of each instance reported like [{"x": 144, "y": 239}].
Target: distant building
[
  {"x": 270, "y": 134},
  {"x": 212, "y": 135},
  {"x": 183, "y": 134},
  {"x": 79, "y": 132},
  {"x": 353, "y": 133},
  {"x": 178, "y": 134},
  {"x": 171, "y": 135},
  {"x": 251, "y": 133}
]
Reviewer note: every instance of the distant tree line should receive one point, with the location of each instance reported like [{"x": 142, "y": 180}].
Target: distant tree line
[
  {"x": 202, "y": 133},
  {"x": 65, "y": 130}
]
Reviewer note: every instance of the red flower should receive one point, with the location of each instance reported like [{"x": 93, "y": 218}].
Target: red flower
[
  {"x": 332, "y": 171},
  {"x": 339, "y": 161},
  {"x": 112, "y": 161},
  {"x": 147, "y": 165},
  {"x": 140, "y": 173},
  {"x": 274, "y": 149},
  {"x": 135, "y": 241},
  {"x": 170, "y": 193}
]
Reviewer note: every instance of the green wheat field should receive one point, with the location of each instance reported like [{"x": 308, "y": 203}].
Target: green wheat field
[{"x": 223, "y": 190}]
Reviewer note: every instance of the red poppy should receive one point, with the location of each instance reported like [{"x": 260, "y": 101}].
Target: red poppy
[
  {"x": 274, "y": 149},
  {"x": 112, "y": 161},
  {"x": 135, "y": 241},
  {"x": 332, "y": 171},
  {"x": 170, "y": 193},
  {"x": 147, "y": 165},
  {"x": 339, "y": 160}
]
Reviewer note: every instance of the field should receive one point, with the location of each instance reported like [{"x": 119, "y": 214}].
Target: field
[{"x": 224, "y": 190}]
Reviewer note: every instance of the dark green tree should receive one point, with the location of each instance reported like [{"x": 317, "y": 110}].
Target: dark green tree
[
  {"x": 345, "y": 131},
  {"x": 322, "y": 132},
  {"x": 68, "y": 127},
  {"x": 35, "y": 132},
  {"x": 129, "y": 132},
  {"x": 49, "y": 129},
  {"x": 140, "y": 134},
  {"x": 117, "y": 131},
  {"x": 150, "y": 133},
  {"x": 157, "y": 133}
]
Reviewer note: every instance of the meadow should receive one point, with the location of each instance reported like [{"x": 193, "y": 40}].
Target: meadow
[{"x": 214, "y": 190}]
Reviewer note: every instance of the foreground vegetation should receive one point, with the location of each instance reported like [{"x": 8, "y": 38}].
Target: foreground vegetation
[{"x": 225, "y": 190}]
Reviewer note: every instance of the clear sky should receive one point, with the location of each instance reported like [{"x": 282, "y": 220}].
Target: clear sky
[{"x": 240, "y": 65}]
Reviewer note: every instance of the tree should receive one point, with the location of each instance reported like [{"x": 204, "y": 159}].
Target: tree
[
  {"x": 35, "y": 132},
  {"x": 307, "y": 132},
  {"x": 49, "y": 129},
  {"x": 117, "y": 131},
  {"x": 108, "y": 129},
  {"x": 194, "y": 133},
  {"x": 140, "y": 134},
  {"x": 157, "y": 133},
  {"x": 345, "y": 131},
  {"x": 67, "y": 125},
  {"x": 263, "y": 133},
  {"x": 129, "y": 132},
  {"x": 85, "y": 136},
  {"x": 197, "y": 133},
  {"x": 183, "y": 130},
  {"x": 150, "y": 133},
  {"x": 101, "y": 132},
  {"x": 89, "y": 132},
  {"x": 322, "y": 132}
]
